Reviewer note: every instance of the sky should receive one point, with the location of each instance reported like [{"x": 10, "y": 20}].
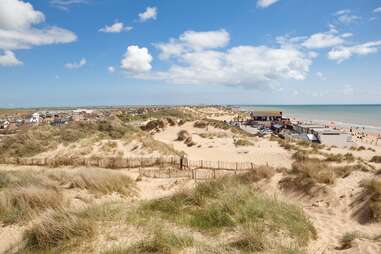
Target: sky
[{"x": 166, "y": 52}]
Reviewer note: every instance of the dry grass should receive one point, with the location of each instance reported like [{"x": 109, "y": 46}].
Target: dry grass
[
  {"x": 373, "y": 187},
  {"x": 54, "y": 228},
  {"x": 308, "y": 173},
  {"x": 99, "y": 181},
  {"x": 262, "y": 172},
  {"x": 158, "y": 240},
  {"x": 212, "y": 135},
  {"x": 22, "y": 203}
]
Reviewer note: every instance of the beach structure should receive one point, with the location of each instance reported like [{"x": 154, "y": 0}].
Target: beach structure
[
  {"x": 266, "y": 116},
  {"x": 323, "y": 134}
]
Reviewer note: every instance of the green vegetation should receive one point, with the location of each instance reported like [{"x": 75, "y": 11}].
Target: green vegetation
[
  {"x": 157, "y": 241},
  {"x": 35, "y": 140},
  {"x": 231, "y": 204},
  {"x": 160, "y": 113}
]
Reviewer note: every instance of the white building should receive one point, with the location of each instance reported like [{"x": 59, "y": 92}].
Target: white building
[{"x": 35, "y": 118}]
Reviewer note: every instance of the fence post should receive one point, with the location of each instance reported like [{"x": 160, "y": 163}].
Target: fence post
[
  {"x": 214, "y": 173},
  {"x": 195, "y": 175},
  {"x": 236, "y": 168}
]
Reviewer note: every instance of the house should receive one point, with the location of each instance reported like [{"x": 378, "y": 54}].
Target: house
[{"x": 4, "y": 124}]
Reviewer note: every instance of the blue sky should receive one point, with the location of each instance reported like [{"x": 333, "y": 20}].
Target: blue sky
[{"x": 123, "y": 52}]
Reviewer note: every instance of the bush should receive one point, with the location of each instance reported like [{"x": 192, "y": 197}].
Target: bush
[
  {"x": 376, "y": 159},
  {"x": 183, "y": 135},
  {"x": 242, "y": 142},
  {"x": 200, "y": 124},
  {"x": 154, "y": 125}
]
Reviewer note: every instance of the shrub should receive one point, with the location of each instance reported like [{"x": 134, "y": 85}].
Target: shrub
[
  {"x": 57, "y": 226},
  {"x": 376, "y": 159},
  {"x": 242, "y": 142},
  {"x": 154, "y": 125},
  {"x": 183, "y": 135},
  {"x": 200, "y": 124}
]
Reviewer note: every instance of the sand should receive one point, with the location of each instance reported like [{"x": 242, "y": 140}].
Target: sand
[{"x": 222, "y": 148}]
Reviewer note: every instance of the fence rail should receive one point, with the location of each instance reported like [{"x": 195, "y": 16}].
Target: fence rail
[{"x": 158, "y": 167}]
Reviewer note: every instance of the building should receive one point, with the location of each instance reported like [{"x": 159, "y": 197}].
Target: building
[
  {"x": 266, "y": 116},
  {"x": 323, "y": 134}
]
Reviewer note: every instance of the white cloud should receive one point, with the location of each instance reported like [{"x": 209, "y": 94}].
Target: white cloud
[
  {"x": 17, "y": 31},
  {"x": 78, "y": 65},
  {"x": 251, "y": 66},
  {"x": 66, "y": 4},
  {"x": 265, "y": 3},
  {"x": 343, "y": 53},
  {"x": 18, "y": 15},
  {"x": 9, "y": 59},
  {"x": 117, "y": 27},
  {"x": 323, "y": 40},
  {"x": 346, "y": 17},
  {"x": 320, "y": 76},
  {"x": 23, "y": 39},
  {"x": 377, "y": 10},
  {"x": 346, "y": 35},
  {"x": 149, "y": 13},
  {"x": 191, "y": 40},
  {"x": 111, "y": 69},
  {"x": 136, "y": 60}
]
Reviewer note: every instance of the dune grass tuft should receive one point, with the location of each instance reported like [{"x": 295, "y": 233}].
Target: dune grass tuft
[
  {"x": 55, "y": 227},
  {"x": 21, "y": 203},
  {"x": 158, "y": 241},
  {"x": 99, "y": 181},
  {"x": 373, "y": 188},
  {"x": 228, "y": 203}
]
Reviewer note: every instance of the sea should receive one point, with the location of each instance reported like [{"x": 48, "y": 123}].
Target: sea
[{"x": 367, "y": 117}]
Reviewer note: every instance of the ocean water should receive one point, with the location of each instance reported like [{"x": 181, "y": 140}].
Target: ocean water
[{"x": 361, "y": 116}]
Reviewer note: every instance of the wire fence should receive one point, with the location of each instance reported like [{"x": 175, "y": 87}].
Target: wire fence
[{"x": 155, "y": 167}]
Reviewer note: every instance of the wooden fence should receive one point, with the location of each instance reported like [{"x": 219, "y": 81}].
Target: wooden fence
[{"x": 159, "y": 167}]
